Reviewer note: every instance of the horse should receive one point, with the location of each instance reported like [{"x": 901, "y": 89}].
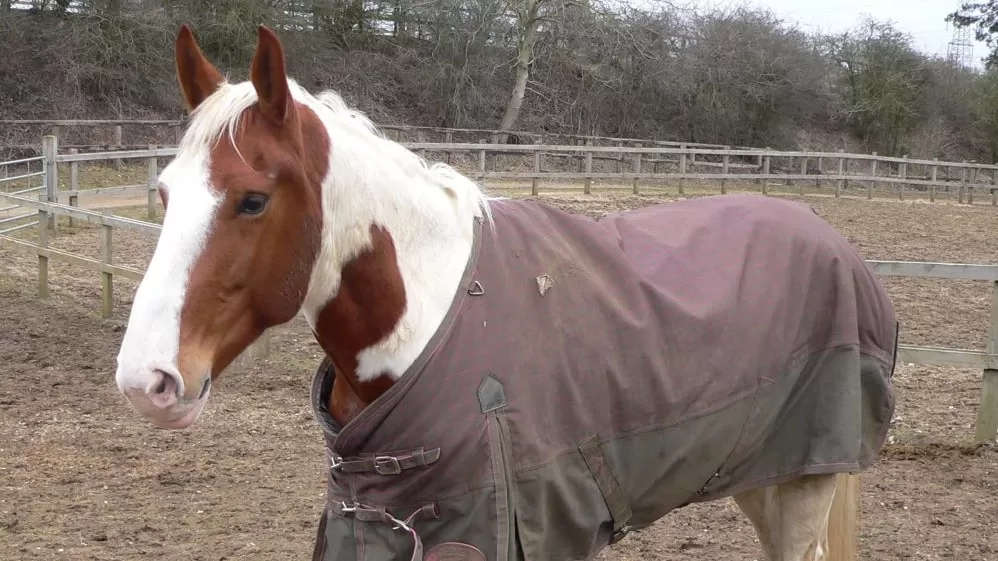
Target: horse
[{"x": 506, "y": 380}]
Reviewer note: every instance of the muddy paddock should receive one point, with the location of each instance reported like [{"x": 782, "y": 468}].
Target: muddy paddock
[{"x": 81, "y": 477}]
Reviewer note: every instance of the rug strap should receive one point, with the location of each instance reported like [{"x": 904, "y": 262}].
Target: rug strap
[
  {"x": 386, "y": 464},
  {"x": 380, "y": 514},
  {"x": 614, "y": 497}
]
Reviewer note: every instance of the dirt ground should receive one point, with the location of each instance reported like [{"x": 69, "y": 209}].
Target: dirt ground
[{"x": 81, "y": 477}]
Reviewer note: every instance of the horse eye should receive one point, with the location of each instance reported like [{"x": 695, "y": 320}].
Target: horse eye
[{"x": 253, "y": 203}]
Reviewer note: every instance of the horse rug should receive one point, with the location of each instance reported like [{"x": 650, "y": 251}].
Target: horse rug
[{"x": 592, "y": 376}]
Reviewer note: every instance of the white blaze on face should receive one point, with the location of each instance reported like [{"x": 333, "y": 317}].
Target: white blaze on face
[{"x": 152, "y": 337}]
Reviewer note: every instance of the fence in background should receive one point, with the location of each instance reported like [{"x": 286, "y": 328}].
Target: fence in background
[
  {"x": 46, "y": 212},
  {"x": 761, "y": 166},
  {"x": 47, "y": 209},
  {"x": 597, "y": 158},
  {"x": 623, "y": 165},
  {"x": 20, "y": 177}
]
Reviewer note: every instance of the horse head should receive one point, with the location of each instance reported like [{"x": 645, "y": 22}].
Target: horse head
[{"x": 280, "y": 202}]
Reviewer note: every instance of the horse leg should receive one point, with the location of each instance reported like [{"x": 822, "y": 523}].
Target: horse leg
[{"x": 791, "y": 519}]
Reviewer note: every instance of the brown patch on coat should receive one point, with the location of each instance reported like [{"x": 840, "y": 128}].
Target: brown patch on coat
[{"x": 368, "y": 305}]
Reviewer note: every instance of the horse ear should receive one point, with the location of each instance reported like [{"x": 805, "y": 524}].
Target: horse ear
[
  {"x": 269, "y": 78},
  {"x": 198, "y": 77}
]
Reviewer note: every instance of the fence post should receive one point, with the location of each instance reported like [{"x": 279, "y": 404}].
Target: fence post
[
  {"x": 448, "y": 138},
  {"x": 117, "y": 146},
  {"x": 803, "y": 172},
  {"x": 106, "y": 279},
  {"x": 759, "y": 163},
  {"x": 800, "y": 184},
  {"x": 970, "y": 185},
  {"x": 481, "y": 161},
  {"x": 873, "y": 177},
  {"x": 904, "y": 177},
  {"x": 840, "y": 183},
  {"x": 845, "y": 170},
  {"x": 50, "y": 149},
  {"x": 152, "y": 167},
  {"x": 994, "y": 187},
  {"x": 963, "y": 183},
  {"x": 178, "y": 133},
  {"x": 935, "y": 176},
  {"x": 765, "y": 172},
  {"x": 537, "y": 170},
  {"x": 724, "y": 171},
  {"x": 987, "y": 411},
  {"x": 589, "y": 170},
  {"x": 43, "y": 260},
  {"x": 682, "y": 167},
  {"x": 74, "y": 183},
  {"x": 637, "y": 169}
]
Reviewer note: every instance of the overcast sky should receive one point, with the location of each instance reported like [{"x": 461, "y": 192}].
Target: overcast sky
[{"x": 923, "y": 19}]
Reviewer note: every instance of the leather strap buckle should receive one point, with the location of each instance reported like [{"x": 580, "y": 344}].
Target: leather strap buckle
[{"x": 387, "y": 465}]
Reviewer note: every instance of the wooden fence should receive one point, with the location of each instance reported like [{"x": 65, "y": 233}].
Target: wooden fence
[
  {"x": 624, "y": 160},
  {"x": 761, "y": 166},
  {"x": 48, "y": 209},
  {"x": 634, "y": 165}
]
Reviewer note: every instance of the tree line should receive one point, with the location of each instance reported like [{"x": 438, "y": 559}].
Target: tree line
[{"x": 737, "y": 76}]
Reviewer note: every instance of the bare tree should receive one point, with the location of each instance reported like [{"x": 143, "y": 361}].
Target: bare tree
[
  {"x": 530, "y": 15},
  {"x": 887, "y": 82}
]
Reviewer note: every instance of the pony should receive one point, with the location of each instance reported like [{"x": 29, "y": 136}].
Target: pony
[{"x": 281, "y": 202}]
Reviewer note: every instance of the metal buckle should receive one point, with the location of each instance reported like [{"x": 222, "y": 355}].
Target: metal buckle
[
  {"x": 335, "y": 461},
  {"x": 347, "y": 509},
  {"x": 387, "y": 465},
  {"x": 619, "y": 534}
]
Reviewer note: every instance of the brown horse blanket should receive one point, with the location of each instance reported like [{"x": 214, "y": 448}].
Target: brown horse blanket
[{"x": 592, "y": 375}]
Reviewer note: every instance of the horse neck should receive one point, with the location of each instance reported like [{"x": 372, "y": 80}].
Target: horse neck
[{"x": 395, "y": 243}]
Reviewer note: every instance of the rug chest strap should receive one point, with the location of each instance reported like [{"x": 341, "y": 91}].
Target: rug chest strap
[
  {"x": 386, "y": 464},
  {"x": 379, "y": 514},
  {"x": 616, "y": 501}
]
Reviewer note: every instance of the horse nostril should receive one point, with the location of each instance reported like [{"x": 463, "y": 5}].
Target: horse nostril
[
  {"x": 161, "y": 386},
  {"x": 164, "y": 384}
]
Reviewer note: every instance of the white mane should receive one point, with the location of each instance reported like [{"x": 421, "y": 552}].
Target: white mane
[{"x": 220, "y": 114}]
